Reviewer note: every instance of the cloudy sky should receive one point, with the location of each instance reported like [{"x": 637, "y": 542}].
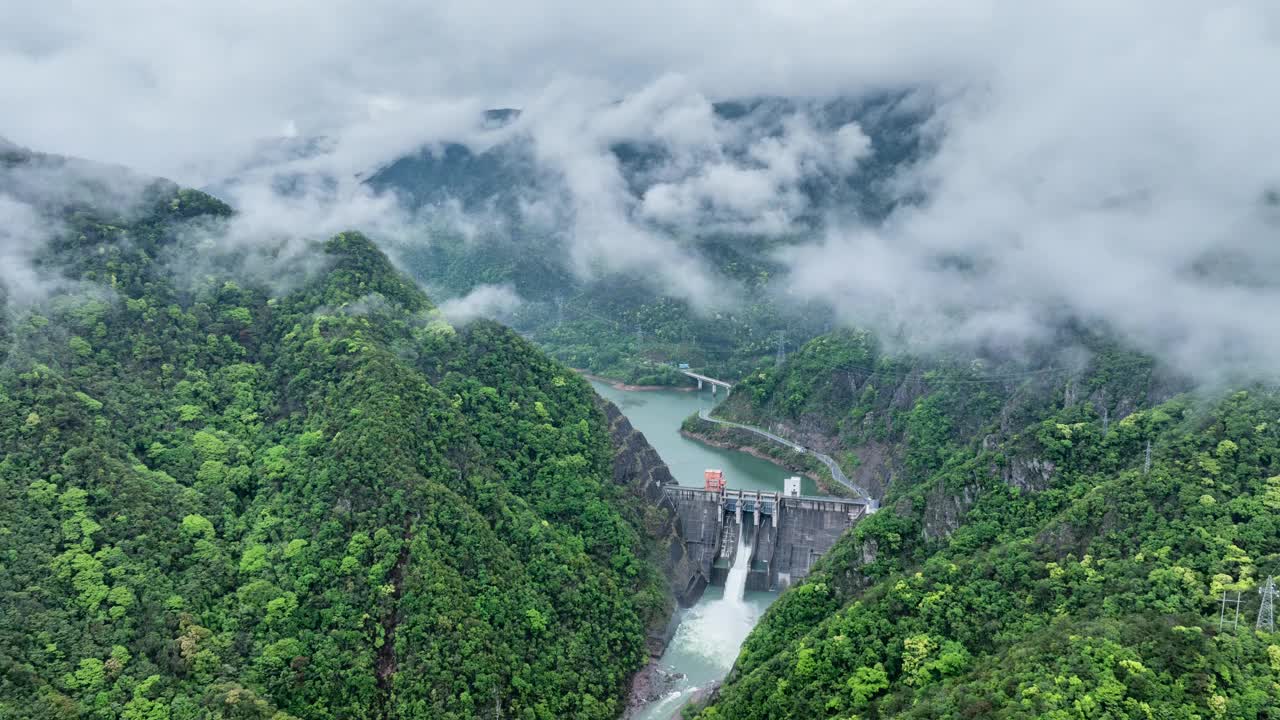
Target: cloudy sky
[
  {"x": 1107, "y": 160},
  {"x": 145, "y": 84}
]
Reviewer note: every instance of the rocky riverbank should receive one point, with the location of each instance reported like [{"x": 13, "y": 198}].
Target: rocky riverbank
[
  {"x": 650, "y": 685},
  {"x": 638, "y": 466}
]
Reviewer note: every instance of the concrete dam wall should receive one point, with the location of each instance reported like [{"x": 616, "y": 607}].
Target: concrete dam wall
[{"x": 786, "y": 534}]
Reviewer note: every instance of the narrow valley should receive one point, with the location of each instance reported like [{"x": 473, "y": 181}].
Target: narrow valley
[{"x": 707, "y": 636}]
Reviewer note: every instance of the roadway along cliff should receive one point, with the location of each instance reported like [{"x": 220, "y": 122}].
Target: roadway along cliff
[{"x": 836, "y": 473}]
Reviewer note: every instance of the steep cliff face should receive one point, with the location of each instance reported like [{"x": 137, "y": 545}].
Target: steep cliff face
[
  {"x": 637, "y": 466},
  {"x": 929, "y": 437},
  {"x": 635, "y": 463},
  {"x": 1033, "y": 513}
]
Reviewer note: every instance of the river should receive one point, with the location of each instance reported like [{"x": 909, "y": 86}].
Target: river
[{"x": 707, "y": 639}]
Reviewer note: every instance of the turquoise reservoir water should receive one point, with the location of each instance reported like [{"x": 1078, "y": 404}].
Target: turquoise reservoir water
[
  {"x": 710, "y": 633},
  {"x": 658, "y": 414}
]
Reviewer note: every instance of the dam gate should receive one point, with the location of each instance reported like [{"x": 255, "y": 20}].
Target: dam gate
[{"x": 786, "y": 532}]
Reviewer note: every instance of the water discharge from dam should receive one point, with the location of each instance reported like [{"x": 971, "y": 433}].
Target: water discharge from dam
[
  {"x": 709, "y": 634},
  {"x": 736, "y": 585},
  {"x": 716, "y": 629}
]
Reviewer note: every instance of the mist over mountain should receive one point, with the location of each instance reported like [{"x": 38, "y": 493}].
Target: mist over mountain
[
  {"x": 752, "y": 145},
  {"x": 1038, "y": 162}
]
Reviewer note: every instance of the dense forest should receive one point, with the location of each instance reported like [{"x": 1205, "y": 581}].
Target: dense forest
[
  {"x": 312, "y": 498},
  {"x": 1054, "y": 542},
  {"x": 247, "y": 481}
]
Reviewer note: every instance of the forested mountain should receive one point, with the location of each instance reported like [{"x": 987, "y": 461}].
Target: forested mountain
[
  {"x": 1054, "y": 541},
  {"x": 314, "y": 498},
  {"x": 619, "y": 323},
  {"x": 245, "y": 480}
]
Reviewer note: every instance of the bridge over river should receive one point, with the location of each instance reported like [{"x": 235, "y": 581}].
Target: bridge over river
[
  {"x": 713, "y": 382},
  {"x": 836, "y": 473},
  {"x": 785, "y": 534}
]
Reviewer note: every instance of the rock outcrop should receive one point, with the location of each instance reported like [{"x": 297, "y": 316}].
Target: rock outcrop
[{"x": 637, "y": 466}]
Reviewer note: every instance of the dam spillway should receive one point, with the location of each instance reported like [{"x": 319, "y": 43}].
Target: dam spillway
[{"x": 785, "y": 534}]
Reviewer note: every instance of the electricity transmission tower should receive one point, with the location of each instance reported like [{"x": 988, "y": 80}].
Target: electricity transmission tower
[
  {"x": 782, "y": 350},
  {"x": 1266, "y": 612},
  {"x": 1222, "y": 615}
]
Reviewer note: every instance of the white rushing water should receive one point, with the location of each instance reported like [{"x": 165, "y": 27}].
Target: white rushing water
[
  {"x": 715, "y": 630},
  {"x": 707, "y": 641},
  {"x": 735, "y": 586}
]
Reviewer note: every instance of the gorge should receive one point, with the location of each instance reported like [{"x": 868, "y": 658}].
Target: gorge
[{"x": 704, "y": 638}]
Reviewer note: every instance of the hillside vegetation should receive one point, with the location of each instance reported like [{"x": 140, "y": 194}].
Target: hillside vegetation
[
  {"x": 223, "y": 500},
  {"x": 1052, "y": 545}
]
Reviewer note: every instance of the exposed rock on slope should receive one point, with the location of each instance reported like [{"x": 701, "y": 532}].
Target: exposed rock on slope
[
  {"x": 637, "y": 465},
  {"x": 1038, "y": 525}
]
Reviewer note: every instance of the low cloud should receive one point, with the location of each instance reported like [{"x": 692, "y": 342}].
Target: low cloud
[
  {"x": 1125, "y": 187},
  {"x": 22, "y": 233},
  {"x": 572, "y": 131},
  {"x": 485, "y": 301},
  {"x": 624, "y": 183},
  {"x": 37, "y": 194},
  {"x": 758, "y": 189}
]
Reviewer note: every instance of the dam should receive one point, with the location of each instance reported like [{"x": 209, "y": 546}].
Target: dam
[
  {"x": 784, "y": 533},
  {"x": 714, "y": 619}
]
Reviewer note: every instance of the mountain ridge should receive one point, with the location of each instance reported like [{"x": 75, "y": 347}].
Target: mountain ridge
[{"x": 223, "y": 499}]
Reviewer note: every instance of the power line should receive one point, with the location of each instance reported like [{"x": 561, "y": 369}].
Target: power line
[
  {"x": 871, "y": 373},
  {"x": 1222, "y": 614},
  {"x": 1266, "y": 612}
]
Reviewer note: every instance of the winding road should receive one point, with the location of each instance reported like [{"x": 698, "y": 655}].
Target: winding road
[{"x": 836, "y": 472}]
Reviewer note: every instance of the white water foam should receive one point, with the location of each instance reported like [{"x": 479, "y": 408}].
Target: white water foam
[{"x": 715, "y": 630}]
